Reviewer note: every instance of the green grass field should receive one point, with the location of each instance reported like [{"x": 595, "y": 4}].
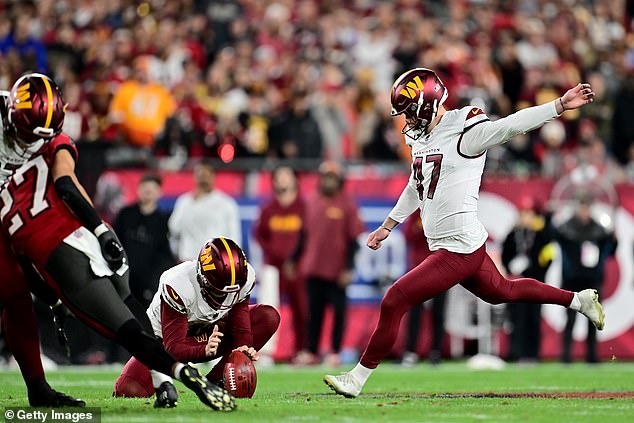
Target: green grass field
[{"x": 393, "y": 394}]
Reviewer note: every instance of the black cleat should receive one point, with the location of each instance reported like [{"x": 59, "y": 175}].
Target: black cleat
[
  {"x": 45, "y": 396},
  {"x": 211, "y": 395},
  {"x": 166, "y": 396}
]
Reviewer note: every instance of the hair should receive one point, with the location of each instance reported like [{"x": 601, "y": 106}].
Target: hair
[
  {"x": 207, "y": 163},
  {"x": 278, "y": 168},
  {"x": 152, "y": 177}
]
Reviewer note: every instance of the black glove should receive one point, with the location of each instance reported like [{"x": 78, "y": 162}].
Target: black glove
[{"x": 111, "y": 249}]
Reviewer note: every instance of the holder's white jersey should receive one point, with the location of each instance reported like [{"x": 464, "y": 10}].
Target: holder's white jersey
[
  {"x": 12, "y": 159},
  {"x": 179, "y": 287},
  {"x": 447, "y": 166}
]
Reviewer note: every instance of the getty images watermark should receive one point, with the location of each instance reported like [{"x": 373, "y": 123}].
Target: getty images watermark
[{"x": 52, "y": 415}]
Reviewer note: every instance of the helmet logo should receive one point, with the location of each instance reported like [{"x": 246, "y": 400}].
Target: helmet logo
[
  {"x": 49, "y": 101},
  {"x": 22, "y": 96},
  {"x": 232, "y": 262},
  {"x": 205, "y": 259},
  {"x": 413, "y": 87}
]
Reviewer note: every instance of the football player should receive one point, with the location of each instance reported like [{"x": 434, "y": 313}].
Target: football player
[
  {"x": 18, "y": 318},
  {"x": 201, "y": 312},
  {"x": 448, "y": 151},
  {"x": 49, "y": 218}
]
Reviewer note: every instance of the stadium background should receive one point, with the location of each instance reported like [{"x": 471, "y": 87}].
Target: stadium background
[{"x": 233, "y": 74}]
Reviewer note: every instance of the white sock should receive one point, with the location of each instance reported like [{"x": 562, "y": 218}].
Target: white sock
[
  {"x": 158, "y": 378},
  {"x": 575, "y": 304},
  {"x": 177, "y": 371},
  {"x": 361, "y": 373}
]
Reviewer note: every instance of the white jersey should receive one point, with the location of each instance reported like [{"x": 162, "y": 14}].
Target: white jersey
[
  {"x": 13, "y": 158},
  {"x": 447, "y": 166},
  {"x": 180, "y": 289}
]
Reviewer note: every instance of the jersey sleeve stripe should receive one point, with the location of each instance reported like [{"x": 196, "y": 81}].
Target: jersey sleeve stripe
[
  {"x": 67, "y": 147},
  {"x": 466, "y": 156},
  {"x": 470, "y": 123}
]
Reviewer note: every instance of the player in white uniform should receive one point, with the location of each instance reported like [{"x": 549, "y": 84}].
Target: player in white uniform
[
  {"x": 201, "y": 312},
  {"x": 448, "y": 151}
]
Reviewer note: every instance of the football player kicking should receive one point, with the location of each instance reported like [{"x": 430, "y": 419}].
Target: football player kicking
[
  {"x": 448, "y": 150},
  {"x": 201, "y": 312},
  {"x": 49, "y": 219}
]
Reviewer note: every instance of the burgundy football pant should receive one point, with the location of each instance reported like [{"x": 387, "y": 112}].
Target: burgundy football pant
[
  {"x": 135, "y": 379},
  {"x": 440, "y": 271},
  {"x": 18, "y": 319}
]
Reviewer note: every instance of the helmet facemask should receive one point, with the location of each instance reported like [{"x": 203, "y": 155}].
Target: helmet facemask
[{"x": 215, "y": 297}]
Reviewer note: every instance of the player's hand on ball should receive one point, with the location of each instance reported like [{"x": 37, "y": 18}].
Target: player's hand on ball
[
  {"x": 577, "y": 96},
  {"x": 250, "y": 351},
  {"x": 375, "y": 238},
  {"x": 214, "y": 341}
]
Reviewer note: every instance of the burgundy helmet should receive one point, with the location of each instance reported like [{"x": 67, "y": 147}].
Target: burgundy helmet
[
  {"x": 418, "y": 93},
  {"x": 221, "y": 270},
  {"x": 36, "y": 108}
]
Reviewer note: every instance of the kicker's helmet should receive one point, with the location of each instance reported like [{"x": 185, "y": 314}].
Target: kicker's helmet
[
  {"x": 221, "y": 270},
  {"x": 36, "y": 109},
  {"x": 418, "y": 94}
]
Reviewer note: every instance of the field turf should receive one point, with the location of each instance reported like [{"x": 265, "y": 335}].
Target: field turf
[{"x": 448, "y": 393}]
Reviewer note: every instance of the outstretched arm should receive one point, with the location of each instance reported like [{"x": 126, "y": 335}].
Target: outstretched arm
[
  {"x": 487, "y": 134},
  {"x": 406, "y": 205}
]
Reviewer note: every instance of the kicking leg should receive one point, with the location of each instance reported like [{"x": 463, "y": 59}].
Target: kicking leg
[
  {"x": 436, "y": 274},
  {"x": 492, "y": 287}
]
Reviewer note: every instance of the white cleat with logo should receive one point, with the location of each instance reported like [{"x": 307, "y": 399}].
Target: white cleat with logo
[
  {"x": 591, "y": 307},
  {"x": 344, "y": 384}
]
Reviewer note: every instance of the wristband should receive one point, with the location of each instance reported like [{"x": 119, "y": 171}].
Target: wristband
[
  {"x": 563, "y": 108},
  {"x": 387, "y": 229},
  {"x": 101, "y": 229}
]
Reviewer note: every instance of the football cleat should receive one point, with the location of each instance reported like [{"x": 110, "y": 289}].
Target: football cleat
[
  {"x": 344, "y": 384},
  {"x": 45, "y": 396},
  {"x": 166, "y": 396},
  {"x": 209, "y": 394},
  {"x": 591, "y": 307}
]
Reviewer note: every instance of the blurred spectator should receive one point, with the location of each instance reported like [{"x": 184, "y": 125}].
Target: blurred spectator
[
  {"x": 550, "y": 151},
  {"x": 22, "y": 39},
  {"x": 585, "y": 246},
  {"x": 202, "y": 214},
  {"x": 295, "y": 133},
  {"x": 329, "y": 244},
  {"x": 526, "y": 253},
  {"x": 142, "y": 229},
  {"x": 622, "y": 122},
  {"x": 278, "y": 231},
  {"x": 417, "y": 251},
  {"x": 141, "y": 106}
]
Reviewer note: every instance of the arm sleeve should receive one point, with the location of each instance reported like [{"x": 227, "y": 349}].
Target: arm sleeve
[
  {"x": 69, "y": 193},
  {"x": 175, "y": 340},
  {"x": 485, "y": 134},
  {"x": 240, "y": 324},
  {"x": 407, "y": 203}
]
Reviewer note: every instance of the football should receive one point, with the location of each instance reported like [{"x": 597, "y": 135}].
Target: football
[{"x": 239, "y": 374}]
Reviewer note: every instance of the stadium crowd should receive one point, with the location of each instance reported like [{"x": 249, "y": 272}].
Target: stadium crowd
[{"x": 292, "y": 79}]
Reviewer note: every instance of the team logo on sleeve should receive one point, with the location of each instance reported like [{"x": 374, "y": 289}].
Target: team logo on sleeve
[{"x": 173, "y": 299}]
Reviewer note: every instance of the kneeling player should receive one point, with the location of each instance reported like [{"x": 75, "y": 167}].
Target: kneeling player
[{"x": 201, "y": 311}]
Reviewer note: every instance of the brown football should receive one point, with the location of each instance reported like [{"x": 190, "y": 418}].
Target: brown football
[{"x": 239, "y": 375}]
